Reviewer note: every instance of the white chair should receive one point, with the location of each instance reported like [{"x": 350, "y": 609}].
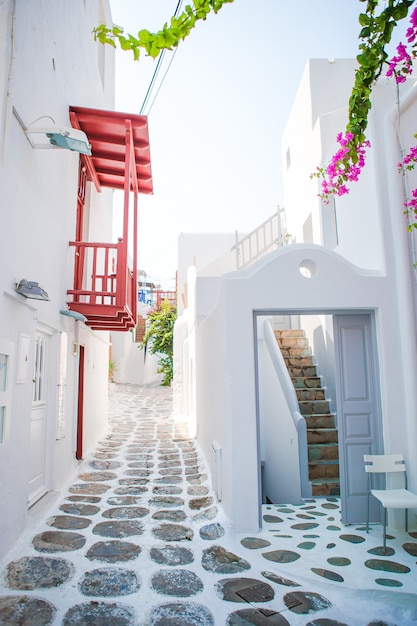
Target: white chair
[{"x": 389, "y": 498}]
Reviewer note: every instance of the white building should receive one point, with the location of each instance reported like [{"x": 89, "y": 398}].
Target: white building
[
  {"x": 54, "y": 343},
  {"x": 347, "y": 280}
]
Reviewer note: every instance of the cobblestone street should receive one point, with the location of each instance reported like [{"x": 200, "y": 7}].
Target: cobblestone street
[{"x": 138, "y": 538}]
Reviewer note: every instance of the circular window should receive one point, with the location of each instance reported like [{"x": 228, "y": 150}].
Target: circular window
[{"x": 308, "y": 268}]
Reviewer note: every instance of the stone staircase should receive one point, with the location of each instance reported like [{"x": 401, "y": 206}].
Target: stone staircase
[{"x": 322, "y": 437}]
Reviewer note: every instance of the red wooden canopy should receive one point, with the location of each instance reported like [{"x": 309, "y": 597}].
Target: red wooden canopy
[{"x": 106, "y": 132}]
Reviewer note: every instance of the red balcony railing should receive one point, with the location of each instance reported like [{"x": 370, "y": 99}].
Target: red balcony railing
[{"x": 104, "y": 286}]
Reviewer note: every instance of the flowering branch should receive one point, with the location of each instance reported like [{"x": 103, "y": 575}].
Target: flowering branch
[{"x": 375, "y": 35}]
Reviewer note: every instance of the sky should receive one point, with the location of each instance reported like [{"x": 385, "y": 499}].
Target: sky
[{"x": 217, "y": 121}]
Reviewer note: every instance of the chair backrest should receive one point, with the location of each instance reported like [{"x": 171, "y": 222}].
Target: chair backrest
[{"x": 384, "y": 463}]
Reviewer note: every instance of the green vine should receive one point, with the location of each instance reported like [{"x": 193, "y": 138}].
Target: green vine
[
  {"x": 165, "y": 39},
  {"x": 376, "y": 34},
  {"x": 159, "y": 338}
]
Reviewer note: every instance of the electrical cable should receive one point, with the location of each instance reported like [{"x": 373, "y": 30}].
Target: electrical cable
[{"x": 156, "y": 72}]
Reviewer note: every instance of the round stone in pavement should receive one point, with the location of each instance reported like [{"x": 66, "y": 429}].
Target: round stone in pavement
[
  {"x": 272, "y": 519},
  {"x": 340, "y": 561},
  {"x": 122, "y": 500},
  {"x": 280, "y": 580},
  {"x": 253, "y": 543},
  {"x": 124, "y": 512},
  {"x": 304, "y": 526},
  {"x": 113, "y": 551},
  {"x": 206, "y": 515},
  {"x": 200, "y": 503},
  {"x": 84, "y": 498},
  {"x": 89, "y": 488},
  {"x": 198, "y": 490},
  {"x": 104, "y": 465},
  {"x": 56, "y": 541},
  {"x": 130, "y": 490},
  {"x": 172, "y": 516},
  {"x": 172, "y": 582},
  {"x": 352, "y": 538},
  {"x": 166, "y": 490},
  {"x": 166, "y": 501},
  {"x": 325, "y": 573},
  {"x": 257, "y": 617},
  {"x": 93, "y": 477},
  {"x": 79, "y": 509},
  {"x": 211, "y": 531},
  {"x": 217, "y": 559},
  {"x": 118, "y": 529},
  {"x": 304, "y": 602},
  {"x": 110, "y": 581},
  {"x": 181, "y": 614},
  {"x": 25, "y": 610},
  {"x": 281, "y": 556},
  {"x": 68, "y": 522},
  {"x": 171, "y": 555},
  {"x": 244, "y": 590},
  {"x": 387, "y": 566},
  {"x": 411, "y": 548},
  {"x": 99, "y": 613},
  {"x": 388, "y": 582},
  {"x": 37, "y": 572},
  {"x": 173, "y": 532}
]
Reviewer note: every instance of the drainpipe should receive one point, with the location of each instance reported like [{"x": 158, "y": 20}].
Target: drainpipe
[{"x": 401, "y": 264}]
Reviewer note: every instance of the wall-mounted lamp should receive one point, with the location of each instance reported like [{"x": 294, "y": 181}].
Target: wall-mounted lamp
[
  {"x": 59, "y": 137},
  {"x": 78, "y": 317},
  {"x": 55, "y": 136},
  {"x": 31, "y": 289}
]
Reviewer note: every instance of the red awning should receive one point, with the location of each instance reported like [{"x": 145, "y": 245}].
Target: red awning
[{"x": 106, "y": 132}]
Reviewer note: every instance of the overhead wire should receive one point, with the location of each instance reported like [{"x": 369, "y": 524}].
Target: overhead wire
[{"x": 157, "y": 70}]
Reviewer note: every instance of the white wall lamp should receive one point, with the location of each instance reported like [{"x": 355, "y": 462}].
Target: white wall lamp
[
  {"x": 78, "y": 317},
  {"x": 55, "y": 136},
  {"x": 31, "y": 289}
]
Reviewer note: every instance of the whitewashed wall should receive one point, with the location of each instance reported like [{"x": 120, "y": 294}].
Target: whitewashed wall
[
  {"x": 48, "y": 61},
  {"x": 228, "y": 366}
]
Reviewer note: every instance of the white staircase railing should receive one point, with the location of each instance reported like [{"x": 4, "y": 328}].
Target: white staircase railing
[{"x": 268, "y": 236}]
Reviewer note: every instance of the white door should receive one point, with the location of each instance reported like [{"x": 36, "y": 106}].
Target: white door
[
  {"x": 38, "y": 423},
  {"x": 359, "y": 417}
]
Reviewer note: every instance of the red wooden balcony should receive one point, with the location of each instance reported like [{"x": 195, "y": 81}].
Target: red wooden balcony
[{"x": 105, "y": 287}]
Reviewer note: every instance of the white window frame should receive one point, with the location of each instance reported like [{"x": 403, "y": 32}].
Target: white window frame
[{"x": 7, "y": 348}]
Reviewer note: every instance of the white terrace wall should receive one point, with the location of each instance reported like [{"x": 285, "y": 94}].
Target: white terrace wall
[
  {"x": 48, "y": 61},
  {"x": 225, "y": 358}
]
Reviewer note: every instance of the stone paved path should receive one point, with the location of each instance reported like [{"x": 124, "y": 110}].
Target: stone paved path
[{"x": 139, "y": 539}]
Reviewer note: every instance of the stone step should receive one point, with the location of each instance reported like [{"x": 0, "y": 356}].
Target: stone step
[
  {"x": 297, "y": 351},
  {"x": 292, "y": 342},
  {"x": 325, "y": 487},
  {"x": 323, "y": 452},
  {"x": 314, "y": 407},
  {"x": 323, "y": 470},
  {"x": 299, "y": 361},
  {"x": 322, "y": 435},
  {"x": 290, "y": 332},
  {"x": 310, "y": 394},
  {"x": 300, "y": 371},
  {"x": 321, "y": 420},
  {"x": 306, "y": 382}
]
